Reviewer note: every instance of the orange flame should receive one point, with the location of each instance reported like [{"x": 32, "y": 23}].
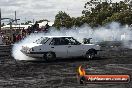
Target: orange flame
[{"x": 81, "y": 71}]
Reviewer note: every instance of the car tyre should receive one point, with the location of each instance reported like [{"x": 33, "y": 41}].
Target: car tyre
[
  {"x": 49, "y": 56},
  {"x": 90, "y": 54}
]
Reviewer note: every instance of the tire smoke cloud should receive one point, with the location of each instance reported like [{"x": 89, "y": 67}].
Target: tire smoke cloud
[{"x": 111, "y": 32}]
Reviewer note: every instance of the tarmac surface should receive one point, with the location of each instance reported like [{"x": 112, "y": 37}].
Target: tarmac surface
[{"x": 63, "y": 72}]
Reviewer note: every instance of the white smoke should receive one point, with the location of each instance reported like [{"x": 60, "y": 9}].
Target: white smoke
[
  {"x": 110, "y": 32},
  {"x": 17, "y": 54}
]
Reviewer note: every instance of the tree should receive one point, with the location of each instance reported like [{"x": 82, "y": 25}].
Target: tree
[
  {"x": 97, "y": 13},
  {"x": 105, "y": 12},
  {"x": 62, "y": 19}
]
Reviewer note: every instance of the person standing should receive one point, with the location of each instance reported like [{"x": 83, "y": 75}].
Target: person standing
[
  {"x": 14, "y": 38},
  {"x": 1, "y": 39}
]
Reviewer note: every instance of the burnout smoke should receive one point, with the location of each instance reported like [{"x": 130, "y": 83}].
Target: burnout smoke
[{"x": 110, "y": 32}]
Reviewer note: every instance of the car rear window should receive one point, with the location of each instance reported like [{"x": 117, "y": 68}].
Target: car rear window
[{"x": 42, "y": 40}]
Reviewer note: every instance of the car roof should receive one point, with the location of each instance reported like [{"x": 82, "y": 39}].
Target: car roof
[{"x": 56, "y": 36}]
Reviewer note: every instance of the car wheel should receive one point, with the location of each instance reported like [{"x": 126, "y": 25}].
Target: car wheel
[
  {"x": 90, "y": 54},
  {"x": 50, "y": 56}
]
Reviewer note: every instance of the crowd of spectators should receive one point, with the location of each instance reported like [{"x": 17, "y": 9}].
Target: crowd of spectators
[{"x": 16, "y": 37}]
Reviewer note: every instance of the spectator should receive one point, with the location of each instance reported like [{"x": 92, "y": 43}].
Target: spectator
[
  {"x": 24, "y": 31},
  {"x": 18, "y": 37},
  {"x": 35, "y": 27},
  {"x": 7, "y": 40},
  {"x": 47, "y": 27},
  {"x": 14, "y": 38},
  {"x": 23, "y": 35},
  {"x": 1, "y": 39},
  {"x": 29, "y": 30}
]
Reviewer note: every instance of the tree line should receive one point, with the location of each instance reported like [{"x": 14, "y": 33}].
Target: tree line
[{"x": 99, "y": 15}]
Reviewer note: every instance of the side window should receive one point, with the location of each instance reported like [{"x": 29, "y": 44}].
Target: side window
[
  {"x": 64, "y": 41},
  {"x": 44, "y": 40},
  {"x": 55, "y": 41},
  {"x": 59, "y": 41},
  {"x": 41, "y": 40},
  {"x": 72, "y": 41}
]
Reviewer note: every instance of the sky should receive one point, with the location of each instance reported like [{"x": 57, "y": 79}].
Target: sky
[{"x": 41, "y": 9}]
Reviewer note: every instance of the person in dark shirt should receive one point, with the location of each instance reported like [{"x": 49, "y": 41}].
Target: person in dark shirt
[
  {"x": 18, "y": 37},
  {"x": 14, "y": 38},
  {"x": 47, "y": 27},
  {"x": 29, "y": 30}
]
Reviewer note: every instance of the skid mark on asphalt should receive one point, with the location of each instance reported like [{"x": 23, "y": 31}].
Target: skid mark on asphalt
[
  {"x": 110, "y": 69},
  {"x": 127, "y": 67}
]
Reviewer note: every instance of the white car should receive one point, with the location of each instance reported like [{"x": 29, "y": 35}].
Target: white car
[{"x": 52, "y": 47}]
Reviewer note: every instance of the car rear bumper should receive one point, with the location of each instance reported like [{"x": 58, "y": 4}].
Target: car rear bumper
[{"x": 32, "y": 54}]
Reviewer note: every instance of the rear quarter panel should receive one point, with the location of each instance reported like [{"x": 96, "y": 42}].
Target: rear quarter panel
[{"x": 91, "y": 46}]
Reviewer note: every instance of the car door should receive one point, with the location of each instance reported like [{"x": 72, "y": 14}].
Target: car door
[
  {"x": 75, "y": 48},
  {"x": 61, "y": 50}
]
